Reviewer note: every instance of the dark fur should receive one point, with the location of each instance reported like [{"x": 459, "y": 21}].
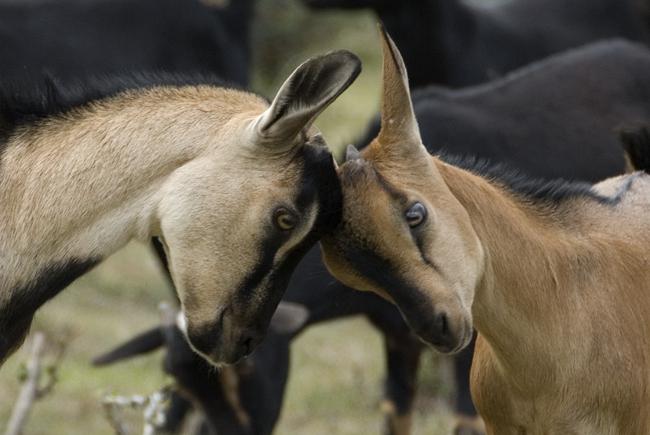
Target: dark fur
[
  {"x": 541, "y": 191},
  {"x": 16, "y": 315},
  {"x": 115, "y": 45},
  {"x": 453, "y": 43},
  {"x": 557, "y": 118},
  {"x": 260, "y": 376},
  {"x": 636, "y": 143},
  {"x": 141, "y": 344},
  {"x": 76, "y": 38}
]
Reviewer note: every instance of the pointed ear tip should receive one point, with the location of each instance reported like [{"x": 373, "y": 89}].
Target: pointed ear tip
[
  {"x": 351, "y": 153},
  {"x": 390, "y": 49}
]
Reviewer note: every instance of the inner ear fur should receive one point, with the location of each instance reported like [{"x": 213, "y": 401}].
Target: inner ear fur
[{"x": 306, "y": 93}]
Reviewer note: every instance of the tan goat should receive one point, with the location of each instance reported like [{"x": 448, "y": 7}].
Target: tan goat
[
  {"x": 554, "y": 276},
  {"x": 236, "y": 189}
]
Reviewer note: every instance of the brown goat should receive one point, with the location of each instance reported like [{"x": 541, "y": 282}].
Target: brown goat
[{"x": 555, "y": 276}]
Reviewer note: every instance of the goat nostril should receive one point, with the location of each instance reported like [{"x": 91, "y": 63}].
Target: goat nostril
[
  {"x": 248, "y": 345},
  {"x": 443, "y": 324}
]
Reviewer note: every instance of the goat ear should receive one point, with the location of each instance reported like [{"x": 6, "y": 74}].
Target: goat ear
[
  {"x": 142, "y": 343},
  {"x": 636, "y": 144},
  {"x": 399, "y": 128},
  {"x": 289, "y": 318},
  {"x": 305, "y": 94},
  {"x": 351, "y": 153}
]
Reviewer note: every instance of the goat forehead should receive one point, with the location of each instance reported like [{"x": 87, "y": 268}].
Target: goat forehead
[{"x": 371, "y": 190}]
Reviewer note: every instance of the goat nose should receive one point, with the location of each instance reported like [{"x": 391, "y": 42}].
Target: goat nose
[
  {"x": 442, "y": 324},
  {"x": 439, "y": 331},
  {"x": 247, "y": 345},
  {"x": 248, "y": 342}
]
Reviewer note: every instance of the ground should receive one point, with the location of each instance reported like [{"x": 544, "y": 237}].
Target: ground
[{"x": 337, "y": 368}]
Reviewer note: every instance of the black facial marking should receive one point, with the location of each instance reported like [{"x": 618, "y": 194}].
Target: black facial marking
[
  {"x": 414, "y": 305},
  {"x": 16, "y": 315},
  {"x": 354, "y": 172},
  {"x": 319, "y": 185}
]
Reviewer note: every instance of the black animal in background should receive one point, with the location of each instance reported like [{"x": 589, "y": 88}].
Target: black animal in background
[
  {"x": 453, "y": 43},
  {"x": 247, "y": 397},
  {"x": 76, "y": 38},
  {"x": 243, "y": 399},
  {"x": 636, "y": 142},
  {"x": 557, "y": 118}
]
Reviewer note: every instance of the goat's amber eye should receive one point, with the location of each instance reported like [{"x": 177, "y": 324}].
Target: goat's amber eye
[
  {"x": 284, "y": 219},
  {"x": 416, "y": 214}
]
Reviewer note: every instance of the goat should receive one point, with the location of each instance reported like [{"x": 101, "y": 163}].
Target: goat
[
  {"x": 553, "y": 275},
  {"x": 471, "y": 123},
  {"x": 83, "y": 170}
]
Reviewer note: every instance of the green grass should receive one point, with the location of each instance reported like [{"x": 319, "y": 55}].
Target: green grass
[{"x": 335, "y": 383}]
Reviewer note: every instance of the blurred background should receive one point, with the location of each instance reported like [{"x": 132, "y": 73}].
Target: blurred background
[{"x": 336, "y": 369}]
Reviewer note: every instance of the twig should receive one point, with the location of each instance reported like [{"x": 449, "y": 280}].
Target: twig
[
  {"x": 152, "y": 406},
  {"x": 30, "y": 391},
  {"x": 153, "y": 410}
]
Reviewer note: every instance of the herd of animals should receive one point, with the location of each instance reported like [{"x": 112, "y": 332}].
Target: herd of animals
[{"x": 135, "y": 125}]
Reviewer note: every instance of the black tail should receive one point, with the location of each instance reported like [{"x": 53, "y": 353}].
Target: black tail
[
  {"x": 636, "y": 143},
  {"x": 140, "y": 344}
]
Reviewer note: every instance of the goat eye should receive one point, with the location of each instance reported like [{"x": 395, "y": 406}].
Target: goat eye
[
  {"x": 416, "y": 214},
  {"x": 284, "y": 219}
]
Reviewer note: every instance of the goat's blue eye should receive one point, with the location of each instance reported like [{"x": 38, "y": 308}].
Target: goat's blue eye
[
  {"x": 416, "y": 214},
  {"x": 284, "y": 219}
]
